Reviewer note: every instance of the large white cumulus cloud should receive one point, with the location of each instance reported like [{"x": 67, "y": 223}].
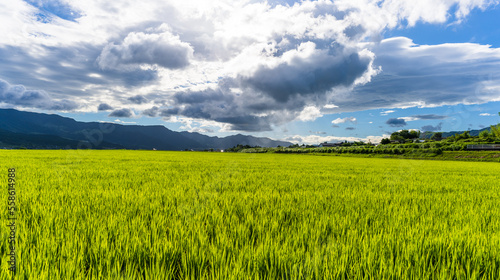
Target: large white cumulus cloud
[
  {"x": 139, "y": 48},
  {"x": 246, "y": 64}
]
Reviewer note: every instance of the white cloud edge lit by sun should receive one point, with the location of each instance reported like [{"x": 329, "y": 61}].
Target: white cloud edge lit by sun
[
  {"x": 310, "y": 113},
  {"x": 344, "y": 120}
]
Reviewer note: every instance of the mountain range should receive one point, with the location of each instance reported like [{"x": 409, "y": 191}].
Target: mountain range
[
  {"x": 428, "y": 135},
  {"x": 50, "y": 131}
]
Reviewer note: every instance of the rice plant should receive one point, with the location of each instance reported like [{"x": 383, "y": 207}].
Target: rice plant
[{"x": 192, "y": 215}]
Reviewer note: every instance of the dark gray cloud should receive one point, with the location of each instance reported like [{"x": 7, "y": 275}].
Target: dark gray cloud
[
  {"x": 169, "y": 112},
  {"x": 306, "y": 76},
  {"x": 104, "y": 107},
  {"x": 224, "y": 106},
  {"x": 197, "y": 111},
  {"x": 151, "y": 112},
  {"x": 18, "y": 95},
  {"x": 350, "y": 128},
  {"x": 432, "y": 128},
  {"x": 275, "y": 95},
  {"x": 221, "y": 94},
  {"x": 67, "y": 71},
  {"x": 220, "y": 105},
  {"x": 396, "y": 122},
  {"x": 122, "y": 113},
  {"x": 138, "y": 99},
  {"x": 429, "y": 117},
  {"x": 162, "y": 112}
]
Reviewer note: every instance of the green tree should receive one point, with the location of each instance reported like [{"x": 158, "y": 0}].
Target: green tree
[
  {"x": 397, "y": 137},
  {"x": 385, "y": 141},
  {"x": 495, "y": 130},
  {"x": 414, "y": 134},
  {"x": 437, "y": 136},
  {"x": 464, "y": 135},
  {"x": 484, "y": 134},
  {"x": 405, "y": 134}
]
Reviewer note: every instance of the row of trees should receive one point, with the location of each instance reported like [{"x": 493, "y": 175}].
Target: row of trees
[
  {"x": 240, "y": 147},
  {"x": 402, "y": 136},
  {"x": 405, "y": 136}
]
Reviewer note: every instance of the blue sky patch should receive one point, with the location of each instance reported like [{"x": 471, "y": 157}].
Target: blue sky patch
[{"x": 53, "y": 8}]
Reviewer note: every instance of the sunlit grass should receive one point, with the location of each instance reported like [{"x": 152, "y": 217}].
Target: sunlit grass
[{"x": 183, "y": 215}]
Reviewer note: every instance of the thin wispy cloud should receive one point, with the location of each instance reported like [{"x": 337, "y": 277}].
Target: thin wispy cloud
[
  {"x": 424, "y": 117},
  {"x": 385, "y": 113}
]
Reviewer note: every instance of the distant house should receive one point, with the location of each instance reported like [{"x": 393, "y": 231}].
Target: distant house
[{"x": 330, "y": 144}]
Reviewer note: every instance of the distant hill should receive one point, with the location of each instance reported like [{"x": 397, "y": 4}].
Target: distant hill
[
  {"x": 234, "y": 140},
  {"x": 428, "y": 134},
  {"x": 37, "y": 130},
  {"x": 43, "y": 141}
]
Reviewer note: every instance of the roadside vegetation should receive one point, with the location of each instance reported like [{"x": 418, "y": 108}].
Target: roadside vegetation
[{"x": 403, "y": 144}]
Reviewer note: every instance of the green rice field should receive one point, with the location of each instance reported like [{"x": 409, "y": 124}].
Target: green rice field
[{"x": 190, "y": 215}]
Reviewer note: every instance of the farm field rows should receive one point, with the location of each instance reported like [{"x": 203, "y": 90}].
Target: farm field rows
[{"x": 192, "y": 215}]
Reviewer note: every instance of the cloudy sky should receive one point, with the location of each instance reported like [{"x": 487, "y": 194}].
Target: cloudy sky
[{"x": 303, "y": 71}]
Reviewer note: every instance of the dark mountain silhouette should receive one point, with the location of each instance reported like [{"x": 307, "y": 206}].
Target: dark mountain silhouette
[
  {"x": 234, "y": 140},
  {"x": 48, "y": 130},
  {"x": 43, "y": 141}
]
